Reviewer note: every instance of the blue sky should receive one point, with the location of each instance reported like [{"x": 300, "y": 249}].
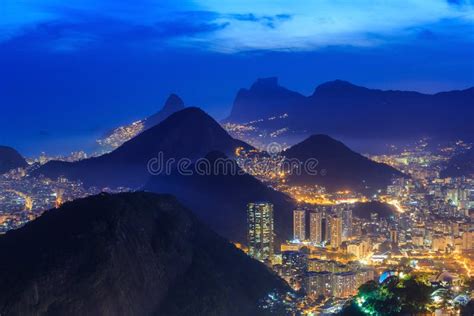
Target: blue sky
[{"x": 70, "y": 70}]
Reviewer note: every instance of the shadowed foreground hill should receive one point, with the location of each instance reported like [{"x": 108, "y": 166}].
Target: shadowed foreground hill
[
  {"x": 220, "y": 198},
  {"x": 126, "y": 254},
  {"x": 343, "y": 168}
]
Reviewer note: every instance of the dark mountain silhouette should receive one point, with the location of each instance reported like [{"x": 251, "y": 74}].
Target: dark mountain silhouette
[
  {"x": 264, "y": 99},
  {"x": 127, "y": 254},
  {"x": 220, "y": 197},
  {"x": 10, "y": 159},
  {"x": 337, "y": 166},
  {"x": 189, "y": 133},
  {"x": 460, "y": 165},
  {"x": 119, "y": 135},
  {"x": 173, "y": 104},
  {"x": 344, "y": 109}
]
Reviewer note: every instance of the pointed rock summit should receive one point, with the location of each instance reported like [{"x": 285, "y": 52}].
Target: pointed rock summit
[
  {"x": 264, "y": 99},
  {"x": 173, "y": 104},
  {"x": 265, "y": 83}
]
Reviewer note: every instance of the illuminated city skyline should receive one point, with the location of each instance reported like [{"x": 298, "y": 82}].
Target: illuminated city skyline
[{"x": 237, "y": 157}]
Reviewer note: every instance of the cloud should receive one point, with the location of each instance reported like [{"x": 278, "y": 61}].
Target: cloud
[
  {"x": 189, "y": 23},
  {"x": 324, "y": 23},
  {"x": 78, "y": 31},
  {"x": 461, "y": 2},
  {"x": 230, "y": 26},
  {"x": 268, "y": 21}
]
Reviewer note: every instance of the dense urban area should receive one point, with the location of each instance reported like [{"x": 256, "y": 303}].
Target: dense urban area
[{"x": 335, "y": 252}]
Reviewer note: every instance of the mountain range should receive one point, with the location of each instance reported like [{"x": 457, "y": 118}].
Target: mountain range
[
  {"x": 10, "y": 159},
  {"x": 127, "y": 254},
  {"x": 347, "y": 110},
  {"x": 189, "y": 134},
  {"x": 337, "y": 167},
  {"x": 265, "y": 98},
  {"x": 218, "y": 198},
  {"x": 119, "y": 135}
]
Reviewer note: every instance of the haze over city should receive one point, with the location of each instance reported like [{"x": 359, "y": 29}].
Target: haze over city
[{"x": 204, "y": 157}]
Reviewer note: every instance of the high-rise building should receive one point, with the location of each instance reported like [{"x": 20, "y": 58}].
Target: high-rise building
[
  {"x": 318, "y": 283},
  {"x": 260, "y": 230},
  {"x": 359, "y": 248},
  {"x": 326, "y": 225},
  {"x": 294, "y": 265},
  {"x": 468, "y": 240},
  {"x": 299, "y": 225},
  {"x": 357, "y": 227},
  {"x": 457, "y": 195},
  {"x": 364, "y": 276},
  {"x": 344, "y": 284},
  {"x": 347, "y": 224},
  {"x": 394, "y": 235},
  {"x": 335, "y": 227},
  {"x": 316, "y": 227},
  {"x": 318, "y": 265},
  {"x": 338, "y": 284},
  {"x": 345, "y": 212},
  {"x": 418, "y": 240},
  {"x": 438, "y": 243}
]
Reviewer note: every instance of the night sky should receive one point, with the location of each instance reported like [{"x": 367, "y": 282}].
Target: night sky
[{"x": 70, "y": 72}]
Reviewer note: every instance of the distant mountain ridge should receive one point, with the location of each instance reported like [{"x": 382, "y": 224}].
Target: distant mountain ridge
[
  {"x": 265, "y": 98},
  {"x": 342, "y": 108},
  {"x": 172, "y": 105},
  {"x": 10, "y": 159},
  {"x": 189, "y": 133},
  {"x": 338, "y": 167},
  {"x": 121, "y": 134},
  {"x": 127, "y": 254}
]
